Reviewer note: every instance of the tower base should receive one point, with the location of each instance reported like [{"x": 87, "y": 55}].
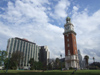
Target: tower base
[{"x": 71, "y": 61}]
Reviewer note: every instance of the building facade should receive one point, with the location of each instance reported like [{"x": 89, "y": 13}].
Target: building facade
[
  {"x": 29, "y": 49},
  {"x": 80, "y": 59},
  {"x": 71, "y": 54},
  {"x": 44, "y": 55}
]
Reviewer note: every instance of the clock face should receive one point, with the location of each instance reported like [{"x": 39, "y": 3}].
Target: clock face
[{"x": 67, "y": 27}]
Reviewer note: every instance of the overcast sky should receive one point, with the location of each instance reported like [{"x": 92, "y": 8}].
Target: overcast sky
[{"x": 42, "y": 22}]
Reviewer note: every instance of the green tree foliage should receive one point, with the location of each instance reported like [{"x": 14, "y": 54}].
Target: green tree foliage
[
  {"x": 57, "y": 63},
  {"x": 35, "y": 65},
  {"x": 14, "y": 61},
  {"x": 63, "y": 64},
  {"x": 17, "y": 57},
  {"x": 38, "y": 65},
  {"x": 94, "y": 65},
  {"x": 3, "y": 55},
  {"x": 11, "y": 65},
  {"x": 86, "y": 57},
  {"x": 6, "y": 62},
  {"x": 31, "y": 63},
  {"x": 50, "y": 66}
]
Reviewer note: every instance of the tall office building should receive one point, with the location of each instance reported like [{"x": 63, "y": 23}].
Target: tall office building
[
  {"x": 29, "y": 49},
  {"x": 71, "y": 54},
  {"x": 80, "y": 59},
  {"x": 44, "y": 55}
]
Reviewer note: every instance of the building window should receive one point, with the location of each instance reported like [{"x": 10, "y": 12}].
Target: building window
[
  {"x": 68, "y": 45},
  {"x": 68, "y": 52},
  {"x": 67, "y": 35},
  {"x": 67, "y": 40}
]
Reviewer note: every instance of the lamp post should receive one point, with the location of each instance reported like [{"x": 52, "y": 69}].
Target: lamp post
[
  {"x": 61, "y": 60},
  {"x": 8, "y": 62}
]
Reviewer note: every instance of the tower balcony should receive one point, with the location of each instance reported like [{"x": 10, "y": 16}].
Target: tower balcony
[{"x": 68, "y": 32}]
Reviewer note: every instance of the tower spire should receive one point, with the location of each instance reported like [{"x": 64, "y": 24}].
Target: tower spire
[{"x": 68, "y": 20}]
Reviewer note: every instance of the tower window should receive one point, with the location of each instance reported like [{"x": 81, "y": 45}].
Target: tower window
[
  {"x": 68, "y": 45},
  {"x": 68, "y": 40},
  {"x": 67, "y": 35},
  {"x": 68, "y": 52}
]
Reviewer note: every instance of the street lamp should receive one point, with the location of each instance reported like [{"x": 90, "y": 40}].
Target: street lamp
[
  {"x": 61, "y": 60},
  {"x": 8, "y": 62}
]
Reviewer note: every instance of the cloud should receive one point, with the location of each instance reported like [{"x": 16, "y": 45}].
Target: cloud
[
  {"x": 31, "y": 19},
  {"x": 60, "y": 9},
  {"x": 28, "y": 19},
  {"x": 75, "y": 8},
  {"x": 26, "y": 10},
  {"x": 87, "y": 29}
]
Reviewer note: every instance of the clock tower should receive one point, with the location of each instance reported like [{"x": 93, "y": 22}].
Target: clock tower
[{"x": 71, "y": 54}]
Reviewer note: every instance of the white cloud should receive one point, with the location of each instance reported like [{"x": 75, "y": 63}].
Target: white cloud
[
  {"x": 75, "y": 8},
  {"x": 87, "y": 31},
  {"x": 60, "y": 9},
  {"x": 26, "y": 10},
  {"x": 29, "y": 20}
]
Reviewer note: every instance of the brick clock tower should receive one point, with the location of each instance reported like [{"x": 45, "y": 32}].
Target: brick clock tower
[{"x": 71, "y": 55}]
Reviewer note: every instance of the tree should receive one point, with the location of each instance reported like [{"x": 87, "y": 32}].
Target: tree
[
  {"x": 35, "y": 65},
  {"x": 17, "y": 57},
  {"x": 86, "y": 57},
  {"x": 94, "y": 65},
  {"x": 11, "y": 65},
  {"x": 57, "y": 63},
  {"x": 50, "y": 66},
  {"x": 31, "y": 63},
  {"x": 14, "y": 61},
  {"x": 6, "y": 63},
  {"x": 3, "y": 55},
  {"x": 38, "y": 65},
  {"x": 63, "y": 64}
]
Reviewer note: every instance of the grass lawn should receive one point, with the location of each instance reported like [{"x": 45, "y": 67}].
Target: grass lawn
[{"x": 50, "y": 72}]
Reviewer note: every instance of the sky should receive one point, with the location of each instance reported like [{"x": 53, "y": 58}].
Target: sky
[{"x": 42, "y": 22}]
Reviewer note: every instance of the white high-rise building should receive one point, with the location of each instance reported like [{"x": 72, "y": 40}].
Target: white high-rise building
[{"x": 29, "y": 49}]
